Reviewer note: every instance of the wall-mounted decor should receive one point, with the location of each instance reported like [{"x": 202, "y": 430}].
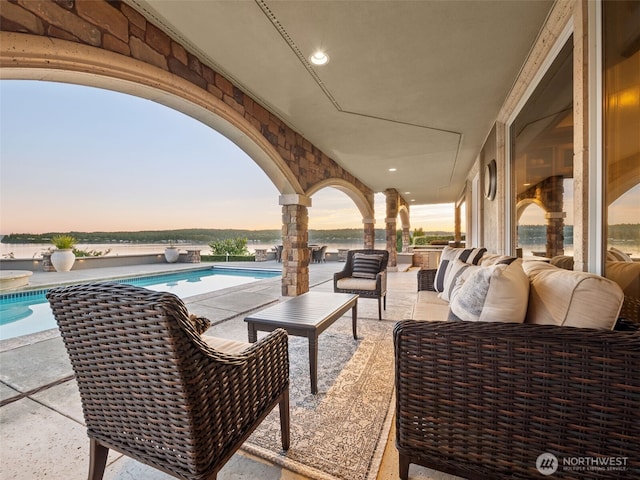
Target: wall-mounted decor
[{"x": 490, "y": 180}]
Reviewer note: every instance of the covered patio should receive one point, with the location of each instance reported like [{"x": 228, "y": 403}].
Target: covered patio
[{"x": 493, "y": 107}]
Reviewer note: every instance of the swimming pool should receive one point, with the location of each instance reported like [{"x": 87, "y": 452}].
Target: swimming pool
[{"x": 23, "y": 313}]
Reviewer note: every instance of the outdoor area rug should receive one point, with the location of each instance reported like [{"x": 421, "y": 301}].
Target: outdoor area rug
[{"x": 341, "y": 432}]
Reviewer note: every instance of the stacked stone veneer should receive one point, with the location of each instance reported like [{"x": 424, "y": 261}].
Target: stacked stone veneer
[
  {"x": 295, "y": 254},
  {"x": 550, "y": 195},
  {"x": 117, "y": 27}
]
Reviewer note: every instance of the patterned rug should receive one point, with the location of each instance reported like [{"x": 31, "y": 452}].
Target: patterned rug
[{"x": 341, "y": 432}]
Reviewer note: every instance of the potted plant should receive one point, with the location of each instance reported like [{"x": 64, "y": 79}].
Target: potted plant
[
  {"x": 63, "y": 257},
  {"x": 171, "y": 254}
]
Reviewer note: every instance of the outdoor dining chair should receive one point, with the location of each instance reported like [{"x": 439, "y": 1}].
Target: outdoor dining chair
[
  {"x": 153, "y": 389},
  {"x": 365, "y": 274}
]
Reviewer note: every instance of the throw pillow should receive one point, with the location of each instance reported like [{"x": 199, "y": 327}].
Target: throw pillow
[
  {"x": 366, "y": 265},
  {"x": 498, "y": 293},
  {"x": 458, "y": 272},
  {"x": 619, "y": 255},
  {"x": 470, "y": 256},
  {"x": 489, "y": 259}
]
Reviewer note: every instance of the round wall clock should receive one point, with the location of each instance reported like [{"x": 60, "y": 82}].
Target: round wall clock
[{"x": 490, "y": 180}]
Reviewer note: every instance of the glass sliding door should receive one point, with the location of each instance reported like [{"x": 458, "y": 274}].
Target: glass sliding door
[
  {"x": 621, "y": 99},
  {"x": 621, "y": 149},
  {"x": 542, "y": 163}
]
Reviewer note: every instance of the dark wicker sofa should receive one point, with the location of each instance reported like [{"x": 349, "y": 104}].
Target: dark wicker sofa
[{"x": 484, "y": 400}]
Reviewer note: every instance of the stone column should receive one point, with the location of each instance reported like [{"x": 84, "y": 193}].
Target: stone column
[
  {"x": 552, "y": 193},
  {"x": 457, "y": 234},
  {"x": 369, "y": 232},
  {"x": 295, "y": 241},
  {"x": 390, "y": 222},
  {"x": 406, "y": 238}
]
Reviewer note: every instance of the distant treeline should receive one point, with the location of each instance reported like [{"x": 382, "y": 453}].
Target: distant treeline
[
  {"x": 195, "y": 235},
  {"x": 531, "y": 234},
  {"x": 526, "y": 234}
]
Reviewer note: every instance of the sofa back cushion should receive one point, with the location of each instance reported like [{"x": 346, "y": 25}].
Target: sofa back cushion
[
  {"x": 472, "y": 256},
  {"x": 497, "y": 293},
  {"x": 572, "y": 299}
]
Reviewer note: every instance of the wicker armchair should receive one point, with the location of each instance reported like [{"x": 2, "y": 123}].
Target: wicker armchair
[
  {"x": 484, "y": 400},
  {"x": 153, "y": 390},
  {"x": 376, "y": 288}
]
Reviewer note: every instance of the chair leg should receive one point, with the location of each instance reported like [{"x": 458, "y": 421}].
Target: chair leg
[
  {"x": 285, "y": 425},
  {"x": 404, "y": 467},
  {"x": 97, "y": 459},
  {"x": 384, "y": 300},
  {"x": 379, "y": 308}
]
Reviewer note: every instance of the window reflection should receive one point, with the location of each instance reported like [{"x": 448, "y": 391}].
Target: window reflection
[
  {"x": 621, "y": 78},
  {"x": 543, "y": 162}
]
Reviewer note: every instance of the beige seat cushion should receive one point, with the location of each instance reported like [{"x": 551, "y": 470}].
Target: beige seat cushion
[
  {"x": 224, "y": 345},
  {"x": 426, "y": 296},
  {"x": 351, "y": 283},
  {"x": 572, "y": 299},
  {"x": 429, "y": 307}
]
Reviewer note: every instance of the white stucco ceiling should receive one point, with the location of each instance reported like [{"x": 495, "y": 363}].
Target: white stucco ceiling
[{"x": 413, "y": 85}]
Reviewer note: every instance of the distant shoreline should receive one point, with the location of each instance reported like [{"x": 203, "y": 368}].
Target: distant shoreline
[{"x": 198, "y": 235}]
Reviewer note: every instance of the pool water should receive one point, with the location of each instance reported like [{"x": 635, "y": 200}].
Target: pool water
[{"x": 24, "y": 313}]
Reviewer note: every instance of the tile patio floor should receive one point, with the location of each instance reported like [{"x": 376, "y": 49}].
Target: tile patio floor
[{"x": 42, "y": 434}]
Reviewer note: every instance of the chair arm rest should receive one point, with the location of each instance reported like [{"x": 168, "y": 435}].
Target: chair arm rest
[
  {"x": 426, "y": 279},
  {"x": 338, "y": 275},
  {"x": 269, "y": 354},
  {"x": 381, "y": 281},
  {"x": 467, "y": 388}
]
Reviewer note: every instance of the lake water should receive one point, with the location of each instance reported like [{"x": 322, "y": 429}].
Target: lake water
[{"x": 35, "y": 250}]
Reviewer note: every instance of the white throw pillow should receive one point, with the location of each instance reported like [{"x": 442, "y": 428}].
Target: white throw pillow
[
  {"x": 498, "y": 293},
  {"x": 457, "y": 272},
  {"x": 471, "y": 256}
]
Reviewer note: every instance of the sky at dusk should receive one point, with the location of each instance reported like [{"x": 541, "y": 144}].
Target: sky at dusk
[{"x": 85, "y": 159}]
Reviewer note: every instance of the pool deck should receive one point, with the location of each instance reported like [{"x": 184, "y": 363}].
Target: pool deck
[{"x": 42, "y": 417}]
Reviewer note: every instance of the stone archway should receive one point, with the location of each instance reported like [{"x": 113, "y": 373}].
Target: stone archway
[
  {"x": 548, "y": 195},
  {"x": 364, "y": 203},
  {"x": 113, "y": 46},
  {"x": 403, "y": 212}
]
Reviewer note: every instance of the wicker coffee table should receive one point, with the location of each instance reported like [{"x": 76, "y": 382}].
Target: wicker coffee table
[{"x": 307, "y": 315}]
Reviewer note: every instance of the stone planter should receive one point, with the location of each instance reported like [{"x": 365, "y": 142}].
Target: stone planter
[
  {"x": 171, "y": 254},
  {"x": 63, "y": 259}
]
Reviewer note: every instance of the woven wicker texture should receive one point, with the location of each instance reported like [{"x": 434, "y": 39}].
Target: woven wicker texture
[
  {"x": 380, "y": 291},
  {"x": 426, "y": 279},
  {"x": 484, "y": 400},
  {"x": 153, "y": 390}
]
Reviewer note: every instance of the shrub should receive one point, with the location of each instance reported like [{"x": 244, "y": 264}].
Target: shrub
[
  {"x": 225, "y": 258},
  {"x": 229, "y": 246},
  {"x": 90, "y": 253},
  {"x": 63, "y": 242}
]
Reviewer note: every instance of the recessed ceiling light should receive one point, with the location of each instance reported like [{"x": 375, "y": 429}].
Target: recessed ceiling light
[
  {"x": 392, "y": 169},
  {"x": 319, "y": 58},
  {"x": 407, "y": 193}
]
